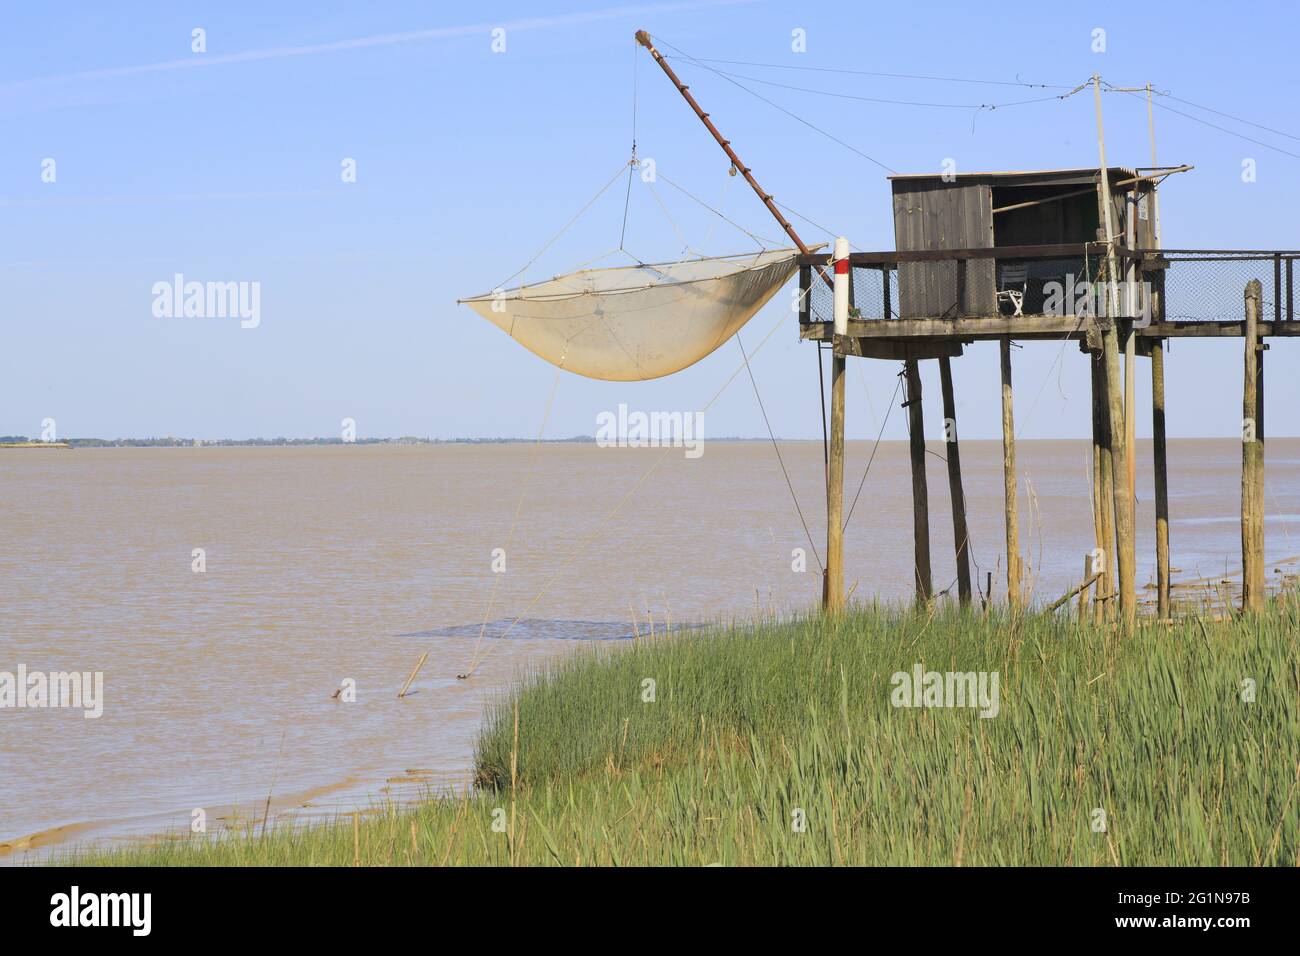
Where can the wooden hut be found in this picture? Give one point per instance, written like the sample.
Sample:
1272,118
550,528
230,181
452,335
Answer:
1062,207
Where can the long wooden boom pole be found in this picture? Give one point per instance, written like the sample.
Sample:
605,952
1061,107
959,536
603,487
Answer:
644,39
833,575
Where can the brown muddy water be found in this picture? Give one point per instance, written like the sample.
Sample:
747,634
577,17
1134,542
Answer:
331,563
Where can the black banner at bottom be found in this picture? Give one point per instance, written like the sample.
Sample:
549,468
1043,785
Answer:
334,905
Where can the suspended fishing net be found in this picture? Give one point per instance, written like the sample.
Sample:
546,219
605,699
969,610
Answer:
632,323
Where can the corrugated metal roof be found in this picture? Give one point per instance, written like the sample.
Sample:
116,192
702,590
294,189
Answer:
1080,171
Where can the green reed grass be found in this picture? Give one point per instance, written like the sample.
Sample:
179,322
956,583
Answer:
753,723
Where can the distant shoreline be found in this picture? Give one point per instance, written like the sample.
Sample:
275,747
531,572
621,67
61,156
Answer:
17,441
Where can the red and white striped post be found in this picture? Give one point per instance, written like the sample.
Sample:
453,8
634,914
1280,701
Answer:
841,261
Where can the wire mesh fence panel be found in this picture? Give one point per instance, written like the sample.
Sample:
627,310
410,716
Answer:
867,295
1211,287
821,301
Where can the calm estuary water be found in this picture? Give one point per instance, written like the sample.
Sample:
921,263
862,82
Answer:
327,564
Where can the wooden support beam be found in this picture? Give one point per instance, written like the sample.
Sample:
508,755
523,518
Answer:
1066,250
833,593
920,491
1252,461
898,350
1098,492
986,326
960,533
1192,328
1015,595
1160,465
1103,488
1129,306
1126,587
1260,349
1290,291
1130,415
1055,327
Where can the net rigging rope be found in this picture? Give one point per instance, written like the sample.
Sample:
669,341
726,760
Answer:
631,165
874,448
888,102
894,76
578,215
763,243
780,460
776,106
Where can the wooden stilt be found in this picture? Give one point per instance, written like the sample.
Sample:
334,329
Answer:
1103,489
1130,416
1260,349
1252,461
960,534
920,491
1098,490
834,590
1014,593
1101,536
1126,587
1107,543
1160,465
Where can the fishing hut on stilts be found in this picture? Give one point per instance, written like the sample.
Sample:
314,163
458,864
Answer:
1008,256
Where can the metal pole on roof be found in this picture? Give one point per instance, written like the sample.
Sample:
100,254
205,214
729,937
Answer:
1155,193
1151,135
1108,211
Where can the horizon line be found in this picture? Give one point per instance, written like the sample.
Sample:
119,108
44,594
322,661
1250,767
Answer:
174,441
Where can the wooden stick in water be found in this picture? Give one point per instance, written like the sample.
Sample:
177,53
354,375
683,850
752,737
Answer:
407,686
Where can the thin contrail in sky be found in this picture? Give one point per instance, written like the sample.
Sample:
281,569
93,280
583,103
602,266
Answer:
382,39
176,197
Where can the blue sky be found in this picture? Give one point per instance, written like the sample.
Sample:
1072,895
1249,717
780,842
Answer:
225,165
